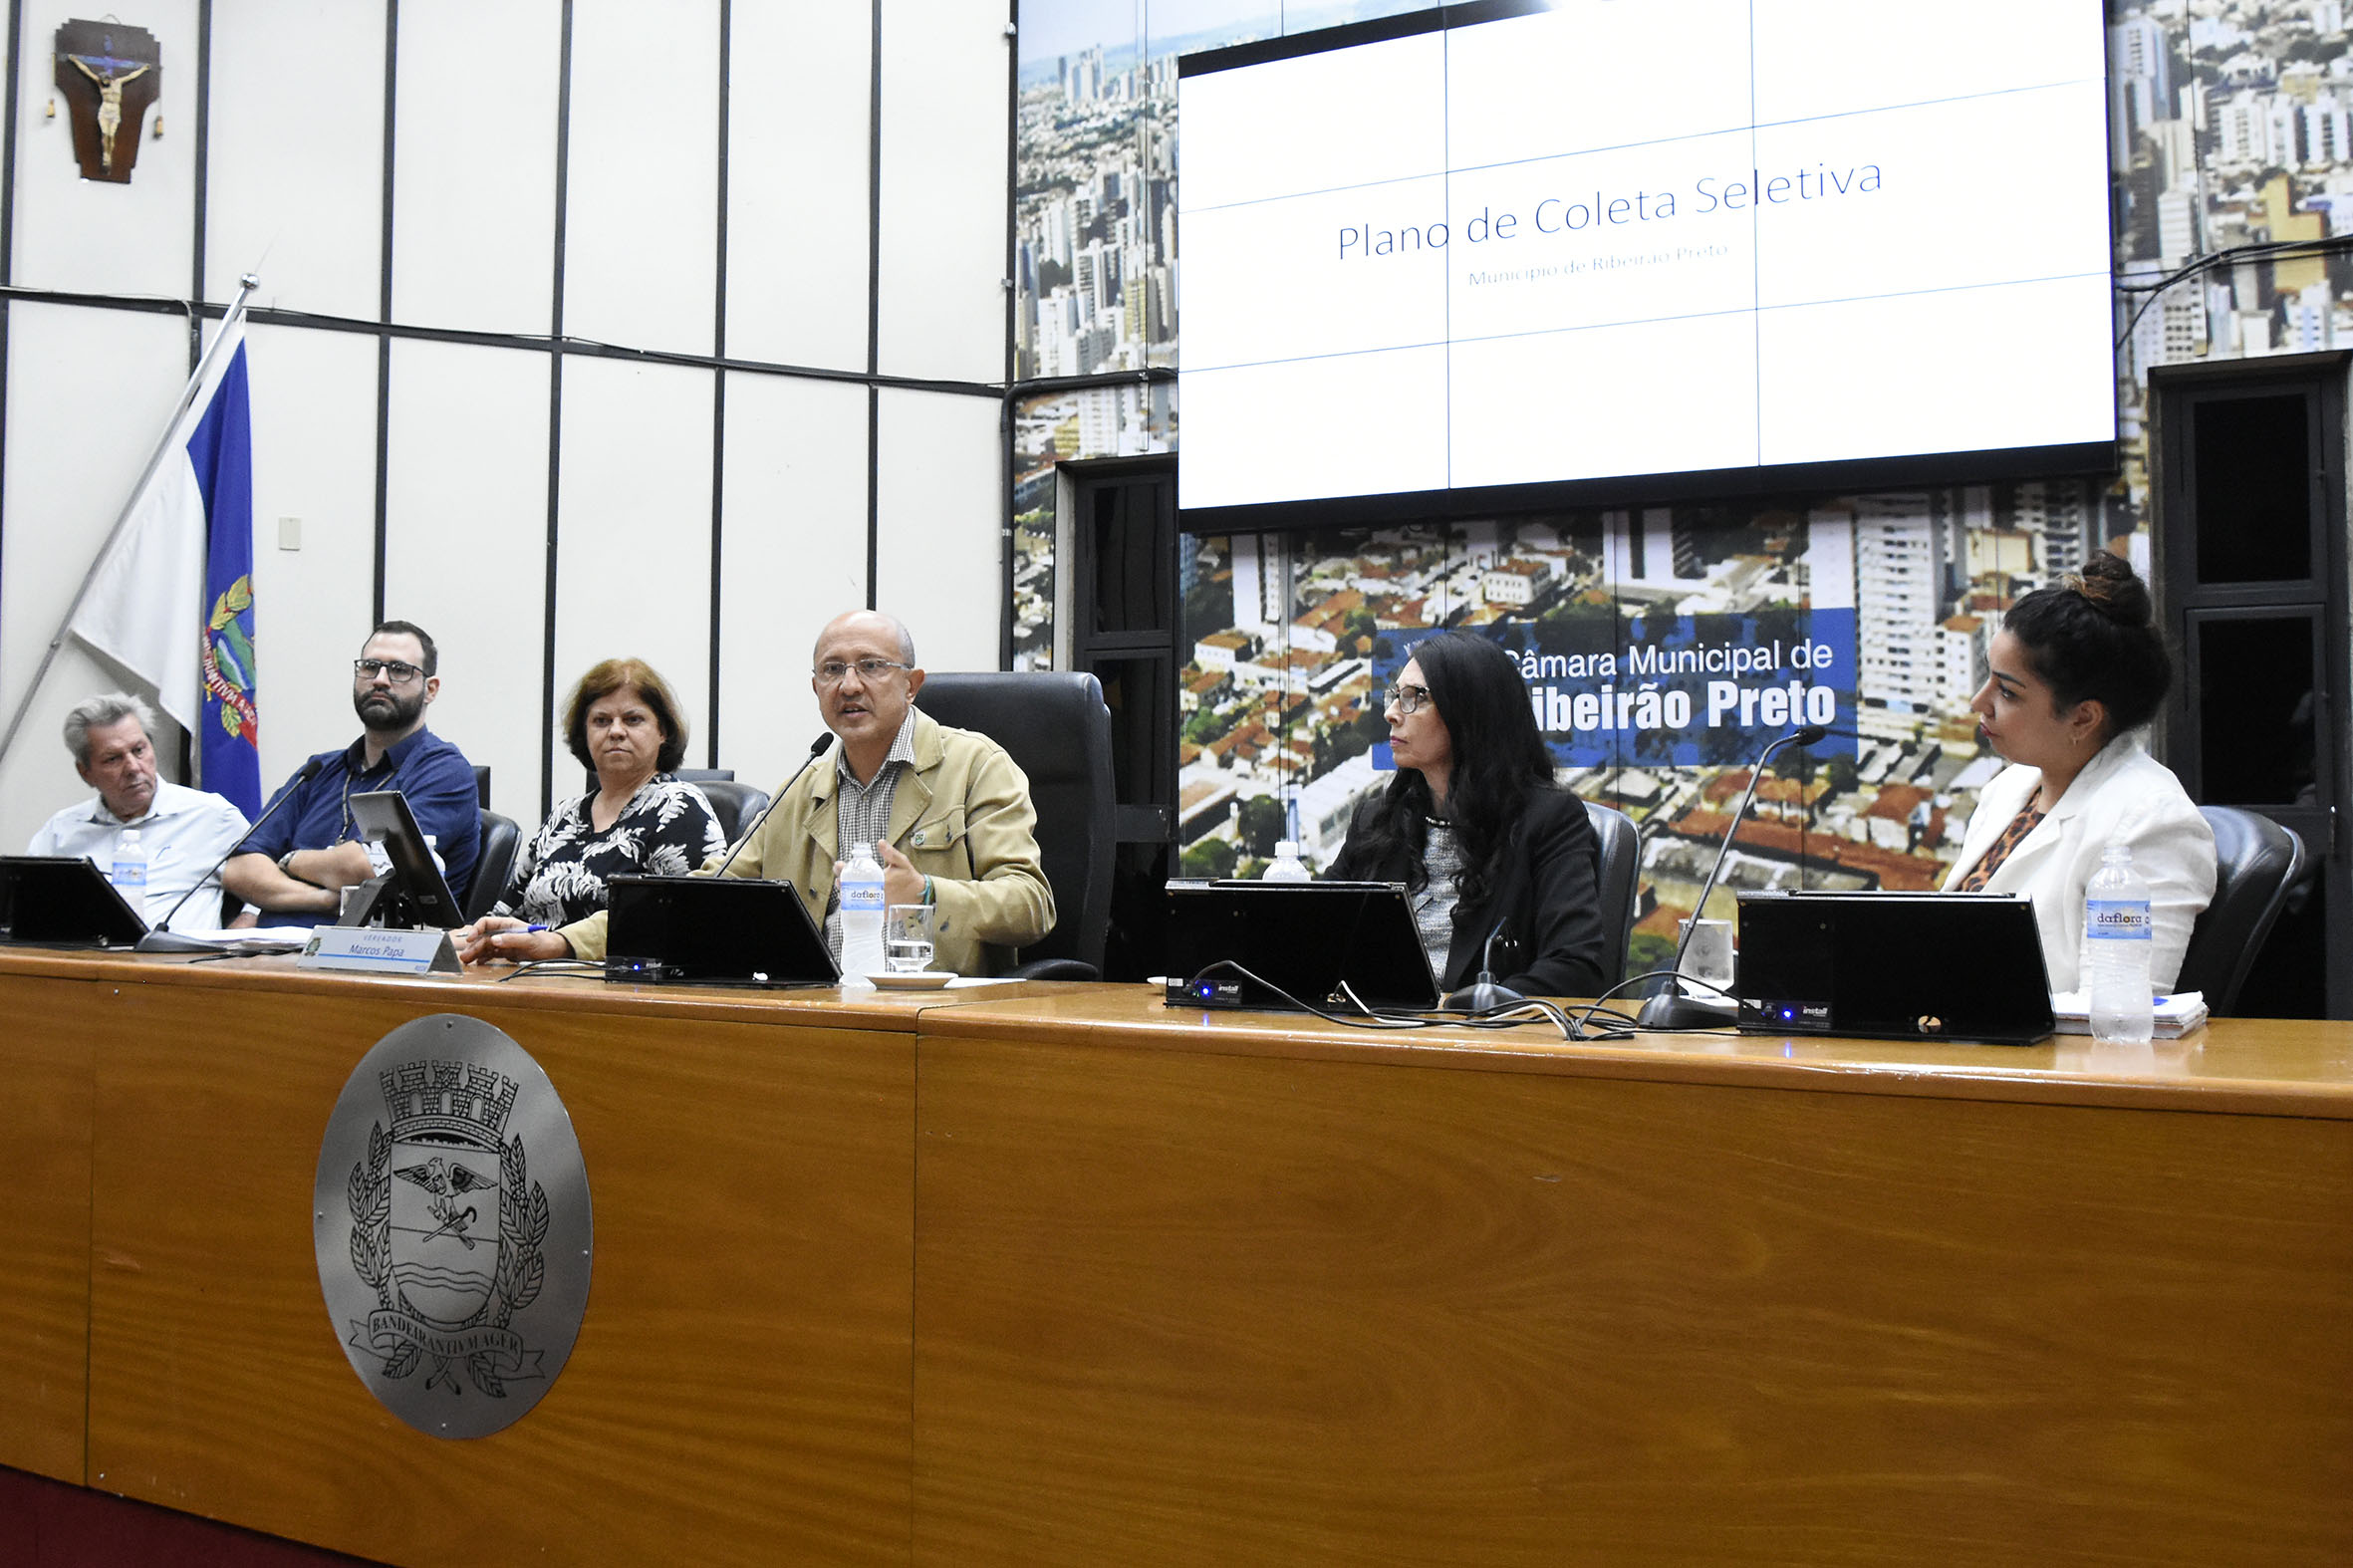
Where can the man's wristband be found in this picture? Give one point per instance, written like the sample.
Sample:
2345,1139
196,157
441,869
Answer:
928,898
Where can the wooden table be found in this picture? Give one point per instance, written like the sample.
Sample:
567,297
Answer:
739,1388
1214,1287
1062,1275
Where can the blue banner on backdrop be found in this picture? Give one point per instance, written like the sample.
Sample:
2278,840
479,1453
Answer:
1667,690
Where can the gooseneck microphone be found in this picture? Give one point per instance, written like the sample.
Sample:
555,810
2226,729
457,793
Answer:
163,938
1672,1008
816,750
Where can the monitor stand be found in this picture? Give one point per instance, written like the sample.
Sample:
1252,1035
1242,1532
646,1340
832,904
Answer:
378,902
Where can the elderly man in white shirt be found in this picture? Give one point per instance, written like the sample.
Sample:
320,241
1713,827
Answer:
183,831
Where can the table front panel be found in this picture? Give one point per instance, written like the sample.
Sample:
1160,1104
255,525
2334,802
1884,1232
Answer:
1209,1308
47,1029
739,1386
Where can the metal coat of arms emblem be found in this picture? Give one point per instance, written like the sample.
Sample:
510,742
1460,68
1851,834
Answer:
453,1224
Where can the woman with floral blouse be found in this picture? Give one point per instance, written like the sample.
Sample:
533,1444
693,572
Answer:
622,721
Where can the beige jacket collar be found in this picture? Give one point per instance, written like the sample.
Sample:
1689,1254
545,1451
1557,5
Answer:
908,804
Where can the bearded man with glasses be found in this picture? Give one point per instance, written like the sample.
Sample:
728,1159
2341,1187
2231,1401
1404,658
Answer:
295,868
948,814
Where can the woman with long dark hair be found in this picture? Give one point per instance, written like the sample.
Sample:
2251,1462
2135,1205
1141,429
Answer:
2075,671
1491,850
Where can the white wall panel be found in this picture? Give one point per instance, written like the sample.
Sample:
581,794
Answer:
314,458
945,197
640,228
797,164
633,566
465,505
295,166
795,557
95,235
939,564
296,154
474,164
88,393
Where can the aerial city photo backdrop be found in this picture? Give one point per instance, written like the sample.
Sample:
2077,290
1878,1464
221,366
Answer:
1661,645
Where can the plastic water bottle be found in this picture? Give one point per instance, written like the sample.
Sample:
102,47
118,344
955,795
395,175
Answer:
2117,938
130,875
862,913
1285,865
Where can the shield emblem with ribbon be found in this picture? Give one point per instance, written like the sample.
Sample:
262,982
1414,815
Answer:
445,1243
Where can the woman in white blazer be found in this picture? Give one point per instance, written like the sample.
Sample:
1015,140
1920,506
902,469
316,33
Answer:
2075,672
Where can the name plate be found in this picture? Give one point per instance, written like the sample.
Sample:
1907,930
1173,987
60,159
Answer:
373,950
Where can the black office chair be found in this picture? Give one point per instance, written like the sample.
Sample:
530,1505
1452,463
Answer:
502,841
732,803
1054,725
2258,864
735,805
1621,857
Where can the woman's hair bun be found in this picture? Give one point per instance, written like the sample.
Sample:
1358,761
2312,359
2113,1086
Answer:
2089,635
2112,587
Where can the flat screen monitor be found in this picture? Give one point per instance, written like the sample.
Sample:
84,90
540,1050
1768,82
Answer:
1300,943
419,896
1894,965
63,900
1498,254
714,930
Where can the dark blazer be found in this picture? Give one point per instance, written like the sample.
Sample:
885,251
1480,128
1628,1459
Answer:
1547,891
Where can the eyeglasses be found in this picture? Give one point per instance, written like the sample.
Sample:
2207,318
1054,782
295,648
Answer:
392,669
1408,699
830,672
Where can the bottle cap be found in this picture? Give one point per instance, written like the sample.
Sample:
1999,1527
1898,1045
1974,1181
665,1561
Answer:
1285,849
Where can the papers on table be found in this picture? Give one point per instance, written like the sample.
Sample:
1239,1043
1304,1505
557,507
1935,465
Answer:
2177,1014
249,940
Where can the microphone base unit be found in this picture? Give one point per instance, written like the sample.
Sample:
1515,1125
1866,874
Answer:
1481,997
1672,1012
1205,993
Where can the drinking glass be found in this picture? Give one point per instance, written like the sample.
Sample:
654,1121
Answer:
906,939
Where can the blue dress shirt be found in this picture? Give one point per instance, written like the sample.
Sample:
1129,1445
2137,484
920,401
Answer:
434,776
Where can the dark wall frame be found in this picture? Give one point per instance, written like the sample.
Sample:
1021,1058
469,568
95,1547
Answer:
16,31
203,176
2195,603
874,300
538,343
383,311
555,410
1127,629
710,725
1005,454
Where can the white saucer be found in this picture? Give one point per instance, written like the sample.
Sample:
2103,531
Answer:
927,981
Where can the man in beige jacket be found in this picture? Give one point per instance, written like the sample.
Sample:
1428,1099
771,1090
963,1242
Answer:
947,811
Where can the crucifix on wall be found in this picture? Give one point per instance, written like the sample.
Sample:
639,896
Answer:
109,75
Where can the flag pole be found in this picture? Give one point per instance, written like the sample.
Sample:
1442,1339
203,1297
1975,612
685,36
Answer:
229,318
